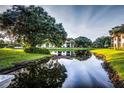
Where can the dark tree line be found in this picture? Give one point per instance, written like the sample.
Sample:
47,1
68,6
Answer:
82,42
100,42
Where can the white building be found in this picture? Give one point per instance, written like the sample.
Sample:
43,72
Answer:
69,43
46,45
117,35
118,40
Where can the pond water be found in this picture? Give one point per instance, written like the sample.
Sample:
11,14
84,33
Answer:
68,69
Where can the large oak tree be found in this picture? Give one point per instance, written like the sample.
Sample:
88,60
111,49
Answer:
31,25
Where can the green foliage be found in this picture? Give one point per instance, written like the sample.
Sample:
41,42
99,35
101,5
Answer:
31,25
10,46
37,50
102,42
83,42
2,44
117,29
41,75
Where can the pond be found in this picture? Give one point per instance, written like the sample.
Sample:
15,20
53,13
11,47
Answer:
67,69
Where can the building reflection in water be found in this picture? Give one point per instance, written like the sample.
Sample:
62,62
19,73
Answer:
78,54
63,53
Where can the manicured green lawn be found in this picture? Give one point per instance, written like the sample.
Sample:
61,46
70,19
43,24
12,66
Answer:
68,49
115,57
10,56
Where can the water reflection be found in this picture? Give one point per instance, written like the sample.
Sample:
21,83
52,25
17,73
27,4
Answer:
85,74
46,75
63,53
78,54
77,69
82,54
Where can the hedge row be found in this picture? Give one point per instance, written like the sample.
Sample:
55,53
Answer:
37,50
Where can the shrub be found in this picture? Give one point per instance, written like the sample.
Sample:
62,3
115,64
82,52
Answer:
3,45
10,46
37,50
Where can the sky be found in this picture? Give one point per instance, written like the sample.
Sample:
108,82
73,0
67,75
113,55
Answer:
91,21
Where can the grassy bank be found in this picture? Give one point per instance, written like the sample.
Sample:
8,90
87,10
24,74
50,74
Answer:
68,49
10,56
115,57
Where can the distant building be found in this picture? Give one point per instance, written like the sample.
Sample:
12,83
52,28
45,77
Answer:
46,45
69,43
117,38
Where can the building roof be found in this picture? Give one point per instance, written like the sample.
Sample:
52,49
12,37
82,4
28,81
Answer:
71,40
68,39
117,29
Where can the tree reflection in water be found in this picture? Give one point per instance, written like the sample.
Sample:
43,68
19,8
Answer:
47,75
82,54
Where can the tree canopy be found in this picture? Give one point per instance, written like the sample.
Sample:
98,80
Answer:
32,25
83,42
102,42
117,29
